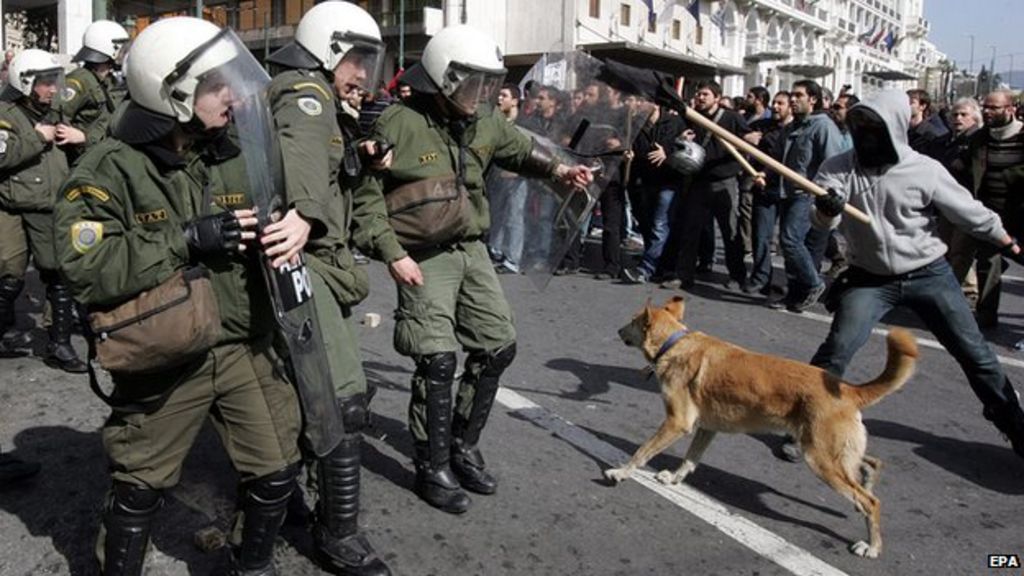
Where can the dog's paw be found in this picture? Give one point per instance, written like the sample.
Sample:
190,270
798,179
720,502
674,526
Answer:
863,549
616,475
667,477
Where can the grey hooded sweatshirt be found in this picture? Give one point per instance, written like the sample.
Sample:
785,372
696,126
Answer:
903,201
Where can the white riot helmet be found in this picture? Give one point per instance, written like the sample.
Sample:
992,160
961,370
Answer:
688,158
174,59
465,65
102,42
34,66
334,32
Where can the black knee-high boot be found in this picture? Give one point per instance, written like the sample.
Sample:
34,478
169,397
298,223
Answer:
127,522
341,547
59,352
483,369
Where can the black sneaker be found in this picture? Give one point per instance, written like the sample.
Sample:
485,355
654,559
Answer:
754,287
810,300
633,276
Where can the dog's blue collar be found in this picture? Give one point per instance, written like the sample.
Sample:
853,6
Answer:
669,343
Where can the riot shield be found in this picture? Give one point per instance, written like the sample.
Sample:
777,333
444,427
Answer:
568,109
289,286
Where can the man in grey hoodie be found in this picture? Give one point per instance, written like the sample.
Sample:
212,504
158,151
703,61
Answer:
898,259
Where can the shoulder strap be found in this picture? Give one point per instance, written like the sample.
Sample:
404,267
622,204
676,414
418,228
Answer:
707,133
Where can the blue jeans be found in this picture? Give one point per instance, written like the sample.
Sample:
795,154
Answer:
508,220
933,293
794,215
657,232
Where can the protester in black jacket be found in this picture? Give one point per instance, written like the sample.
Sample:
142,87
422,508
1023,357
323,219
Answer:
656,186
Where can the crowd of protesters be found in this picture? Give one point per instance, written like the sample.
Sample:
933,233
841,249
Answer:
658,225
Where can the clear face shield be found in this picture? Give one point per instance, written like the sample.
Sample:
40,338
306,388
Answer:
474,87
47,86
361,67
121,45
223,78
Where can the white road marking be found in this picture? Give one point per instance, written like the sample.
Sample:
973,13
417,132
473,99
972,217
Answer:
760,540
926,342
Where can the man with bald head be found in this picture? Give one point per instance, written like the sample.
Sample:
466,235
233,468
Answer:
996,164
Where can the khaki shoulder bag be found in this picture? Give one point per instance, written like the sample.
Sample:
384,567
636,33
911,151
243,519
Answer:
160,328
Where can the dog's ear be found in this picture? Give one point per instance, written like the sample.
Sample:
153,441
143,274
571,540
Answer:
676,306
647,312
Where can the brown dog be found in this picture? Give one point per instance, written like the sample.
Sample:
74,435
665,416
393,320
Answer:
718,387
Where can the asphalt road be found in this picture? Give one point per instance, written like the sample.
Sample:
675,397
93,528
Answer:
574,403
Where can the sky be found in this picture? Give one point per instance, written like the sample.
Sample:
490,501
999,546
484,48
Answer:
993,23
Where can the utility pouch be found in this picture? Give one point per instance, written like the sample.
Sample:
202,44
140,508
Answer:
160,328
429,212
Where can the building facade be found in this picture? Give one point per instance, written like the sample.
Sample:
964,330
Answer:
862,44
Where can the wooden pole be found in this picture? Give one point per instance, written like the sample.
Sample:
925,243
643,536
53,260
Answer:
740,158
784,171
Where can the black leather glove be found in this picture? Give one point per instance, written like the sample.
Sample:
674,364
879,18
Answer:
1007,251
830,205
220,232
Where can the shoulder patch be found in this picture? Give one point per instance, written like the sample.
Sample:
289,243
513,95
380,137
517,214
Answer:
4,135
85,235
314,86
93,191
68,94
310,106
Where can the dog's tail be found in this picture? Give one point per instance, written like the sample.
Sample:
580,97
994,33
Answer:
898,368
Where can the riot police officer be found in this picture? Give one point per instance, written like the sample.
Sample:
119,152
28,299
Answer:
167,192
32,169
89,98
337,50
445,137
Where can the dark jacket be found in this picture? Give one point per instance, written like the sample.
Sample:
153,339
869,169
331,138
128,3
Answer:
719,164
1011,206
955,156
928,136
663,132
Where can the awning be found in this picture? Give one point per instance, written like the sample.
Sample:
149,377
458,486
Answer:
766,56
807,70
890,75
667,61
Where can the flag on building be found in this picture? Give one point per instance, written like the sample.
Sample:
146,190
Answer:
652,16
890,40
718,19
878,36
695,10
866,37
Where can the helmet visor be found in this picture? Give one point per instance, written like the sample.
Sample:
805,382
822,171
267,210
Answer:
47,85
122,46
362,65
474,87
221,76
